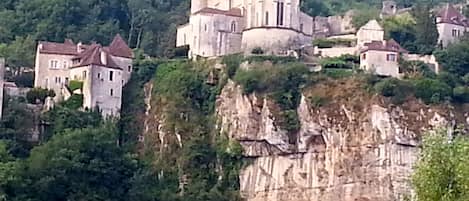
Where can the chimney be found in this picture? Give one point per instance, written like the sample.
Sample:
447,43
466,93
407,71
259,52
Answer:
103,57
79,49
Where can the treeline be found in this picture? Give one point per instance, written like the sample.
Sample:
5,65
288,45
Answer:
146,24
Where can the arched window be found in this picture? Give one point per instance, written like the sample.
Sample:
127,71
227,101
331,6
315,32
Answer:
233,26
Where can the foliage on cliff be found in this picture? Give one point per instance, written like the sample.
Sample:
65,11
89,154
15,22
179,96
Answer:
442,172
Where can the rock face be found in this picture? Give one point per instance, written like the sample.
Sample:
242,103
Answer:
342,153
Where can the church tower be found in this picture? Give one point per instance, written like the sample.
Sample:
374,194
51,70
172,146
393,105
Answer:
197,5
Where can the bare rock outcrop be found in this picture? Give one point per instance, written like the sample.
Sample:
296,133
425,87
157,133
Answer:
342,153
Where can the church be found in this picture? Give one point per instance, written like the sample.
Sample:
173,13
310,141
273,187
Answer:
221,27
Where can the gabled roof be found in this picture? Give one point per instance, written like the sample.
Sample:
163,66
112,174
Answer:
119,47
372,25
235,12
388,46
450,15
57,48
92,56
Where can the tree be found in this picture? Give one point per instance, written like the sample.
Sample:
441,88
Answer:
425,28
82,164
455,58
8,171
402,29
442,174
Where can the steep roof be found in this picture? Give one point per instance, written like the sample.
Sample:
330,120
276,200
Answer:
388,46
119,47
92,56
372,25
57,48
235,12
450,15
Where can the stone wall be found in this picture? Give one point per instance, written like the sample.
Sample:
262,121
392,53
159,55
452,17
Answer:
445,32
273,40
376,62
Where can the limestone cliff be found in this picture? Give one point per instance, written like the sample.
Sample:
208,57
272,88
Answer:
355,147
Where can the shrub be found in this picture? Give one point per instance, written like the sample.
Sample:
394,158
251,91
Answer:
39,94
461,94
398,90
317,101
432,90
343,61
74,102
232,63
338,73
257,50
271,58
75,84
328,43
24,80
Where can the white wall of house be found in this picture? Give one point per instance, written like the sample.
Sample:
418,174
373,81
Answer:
449,33
335,51
52,71
126,65
380,62
372,31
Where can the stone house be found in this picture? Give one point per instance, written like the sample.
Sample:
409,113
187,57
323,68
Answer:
371,31
382,57
220,27
451,25
102,70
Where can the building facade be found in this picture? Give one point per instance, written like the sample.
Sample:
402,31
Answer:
220,27
382,57
102,70
451,25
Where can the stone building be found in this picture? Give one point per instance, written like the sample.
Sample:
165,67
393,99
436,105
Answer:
451,25
220,27
381,57
2,83
102,70
371,31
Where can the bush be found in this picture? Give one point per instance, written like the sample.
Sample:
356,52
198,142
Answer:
398,90
75,84
24,80
432,90
271,58
257,50
39,94
461,94
317,101
344,61
74,102
232,63
338,73
328,43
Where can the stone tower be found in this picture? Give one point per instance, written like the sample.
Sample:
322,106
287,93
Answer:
197,5
389,8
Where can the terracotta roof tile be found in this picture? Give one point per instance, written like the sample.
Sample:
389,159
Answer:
57,48
119,47
92,56
236,12
389,45
450,15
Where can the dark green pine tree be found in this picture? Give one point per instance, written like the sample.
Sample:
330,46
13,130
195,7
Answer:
425,28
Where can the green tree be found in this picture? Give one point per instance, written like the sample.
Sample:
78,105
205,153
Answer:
441,173
82,164
455,58
425,28
8,171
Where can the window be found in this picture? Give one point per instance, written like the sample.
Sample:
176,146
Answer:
233,26
267,18
53,64
129,68
364,56
301,27
280,13
390,57
84,74
65,64
111,75
454,33
66,80
111,92
205,27
99,75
